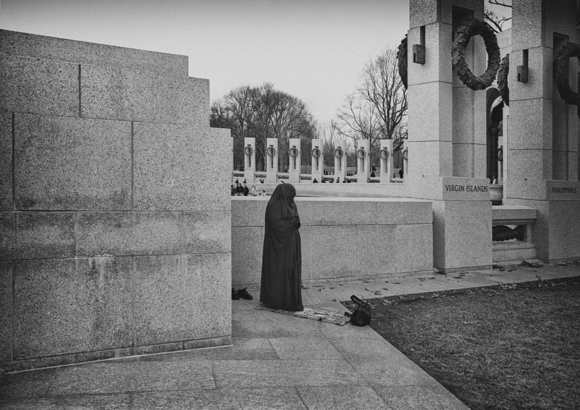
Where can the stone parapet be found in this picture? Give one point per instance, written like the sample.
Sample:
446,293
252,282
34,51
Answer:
14,43
342,238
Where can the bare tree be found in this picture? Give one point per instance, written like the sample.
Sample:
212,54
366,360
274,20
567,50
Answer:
496,20
262,112
235,112
378,107
503,3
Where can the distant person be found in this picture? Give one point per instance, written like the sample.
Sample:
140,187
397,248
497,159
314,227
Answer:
239,189
315,181
246,189
373,174
282,255
337,180
233,190
401,173
254,191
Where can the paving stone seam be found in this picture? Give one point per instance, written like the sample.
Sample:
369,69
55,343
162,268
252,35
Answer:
52,379
301,398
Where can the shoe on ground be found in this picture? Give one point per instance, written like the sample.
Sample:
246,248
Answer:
235,295
243,293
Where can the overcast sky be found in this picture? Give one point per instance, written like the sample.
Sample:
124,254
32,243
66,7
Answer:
312,49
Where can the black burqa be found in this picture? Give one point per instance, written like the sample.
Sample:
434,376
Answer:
282,257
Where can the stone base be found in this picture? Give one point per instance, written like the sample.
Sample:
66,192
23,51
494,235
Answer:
462,235
126,353
513,252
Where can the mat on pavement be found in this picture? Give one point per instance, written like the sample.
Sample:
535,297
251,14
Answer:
318,314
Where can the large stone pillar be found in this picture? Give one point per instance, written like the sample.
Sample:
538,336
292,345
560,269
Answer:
363,161
339,160
317,161
447,136
250,160
295,161
272,160
543,129
386,159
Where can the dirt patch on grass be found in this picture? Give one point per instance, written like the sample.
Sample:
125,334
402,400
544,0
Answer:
503,347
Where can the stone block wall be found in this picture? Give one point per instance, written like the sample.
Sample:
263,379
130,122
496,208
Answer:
543,140
343,239
115,210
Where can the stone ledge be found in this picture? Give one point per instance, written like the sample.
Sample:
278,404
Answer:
14,43
125,353
505,213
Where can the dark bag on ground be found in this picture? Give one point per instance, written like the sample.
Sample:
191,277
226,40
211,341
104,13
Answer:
362,314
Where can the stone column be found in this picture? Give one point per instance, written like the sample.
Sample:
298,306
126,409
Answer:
339,160
295,161
543,129
250,160
386,158
363,161
317,169
272,160
447,136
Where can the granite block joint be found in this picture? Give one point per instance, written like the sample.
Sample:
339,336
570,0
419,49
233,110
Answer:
118,353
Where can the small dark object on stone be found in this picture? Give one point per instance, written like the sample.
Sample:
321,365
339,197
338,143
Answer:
243,293
362,314
235,295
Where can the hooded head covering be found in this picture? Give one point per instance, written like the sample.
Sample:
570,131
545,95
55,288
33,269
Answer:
285,194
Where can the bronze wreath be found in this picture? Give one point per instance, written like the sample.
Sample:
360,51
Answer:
462,36
561,68
384,154
502,79
361,153
293,152
402,61
248,150
338,153
316,152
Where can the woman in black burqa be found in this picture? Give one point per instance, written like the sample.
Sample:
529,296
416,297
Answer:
282,258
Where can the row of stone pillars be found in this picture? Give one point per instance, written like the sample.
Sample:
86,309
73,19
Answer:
364,166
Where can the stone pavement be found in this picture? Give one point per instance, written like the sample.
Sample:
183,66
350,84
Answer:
276,361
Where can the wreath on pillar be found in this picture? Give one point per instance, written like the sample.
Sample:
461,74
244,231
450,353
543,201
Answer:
463,34
384,154
502,79
316,152
338,153
402,61
561,67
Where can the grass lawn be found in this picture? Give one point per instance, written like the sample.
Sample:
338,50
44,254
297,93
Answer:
506,347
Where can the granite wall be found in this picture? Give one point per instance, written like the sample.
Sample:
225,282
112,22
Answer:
543,138
343,239
115,210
